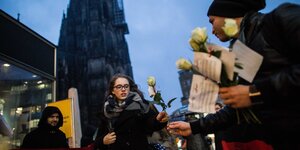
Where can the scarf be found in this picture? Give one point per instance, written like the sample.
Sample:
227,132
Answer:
113,109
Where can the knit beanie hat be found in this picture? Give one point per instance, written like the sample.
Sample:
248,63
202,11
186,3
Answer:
234,8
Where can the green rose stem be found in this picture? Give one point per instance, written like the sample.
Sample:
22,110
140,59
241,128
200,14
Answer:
203,47
157,98
159,101
247,113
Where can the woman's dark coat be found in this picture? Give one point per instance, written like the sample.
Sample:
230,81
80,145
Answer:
132,128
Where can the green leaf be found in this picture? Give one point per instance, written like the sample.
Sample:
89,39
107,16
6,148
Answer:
157,97
170,101
225,81
164,106
216,53
202,47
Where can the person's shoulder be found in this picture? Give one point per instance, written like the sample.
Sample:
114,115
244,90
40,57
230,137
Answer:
32,134
284,15
287,4
34,131
285,8
61,132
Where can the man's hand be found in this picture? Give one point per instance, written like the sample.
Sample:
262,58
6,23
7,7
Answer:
180,128
236,96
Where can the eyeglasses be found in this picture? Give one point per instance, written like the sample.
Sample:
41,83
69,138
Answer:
120,87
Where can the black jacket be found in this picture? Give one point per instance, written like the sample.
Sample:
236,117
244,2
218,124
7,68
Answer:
276,37
46,136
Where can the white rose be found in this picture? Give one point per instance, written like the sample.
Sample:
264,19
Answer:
230,28
183,64
151,81
194,45
199,35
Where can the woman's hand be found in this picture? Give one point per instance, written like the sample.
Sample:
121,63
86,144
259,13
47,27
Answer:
162,117
180,128
109,138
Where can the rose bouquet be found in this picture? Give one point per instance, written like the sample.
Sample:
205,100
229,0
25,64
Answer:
156,95
198,40
198,43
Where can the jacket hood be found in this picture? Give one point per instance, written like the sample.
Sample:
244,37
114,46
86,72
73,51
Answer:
47,112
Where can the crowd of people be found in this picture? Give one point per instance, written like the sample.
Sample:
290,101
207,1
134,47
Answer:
127,119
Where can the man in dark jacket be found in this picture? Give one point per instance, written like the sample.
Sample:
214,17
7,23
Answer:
47,135
276,37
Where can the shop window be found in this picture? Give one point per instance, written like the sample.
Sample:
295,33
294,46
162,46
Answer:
23,95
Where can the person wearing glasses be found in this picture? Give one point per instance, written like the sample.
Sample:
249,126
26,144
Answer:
126,118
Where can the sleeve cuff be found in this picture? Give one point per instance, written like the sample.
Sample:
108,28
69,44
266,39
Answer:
195,126
255,95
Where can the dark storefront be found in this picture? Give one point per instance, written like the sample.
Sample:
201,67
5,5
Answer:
27,78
